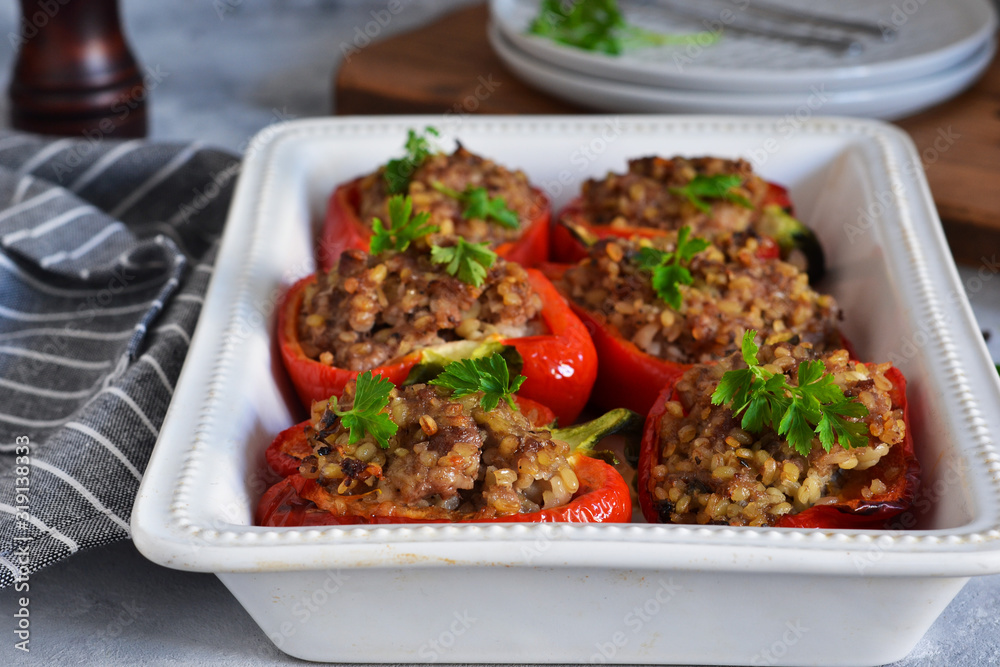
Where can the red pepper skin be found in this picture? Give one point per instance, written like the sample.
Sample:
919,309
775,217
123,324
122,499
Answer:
603,497
899,470
565,247
560,366
344,229
627,377
314,381
286,451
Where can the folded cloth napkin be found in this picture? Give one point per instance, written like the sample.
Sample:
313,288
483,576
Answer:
106,249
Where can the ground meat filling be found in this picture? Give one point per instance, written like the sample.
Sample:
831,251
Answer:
450,460
457,171
713,471
369,309
641,196
734,290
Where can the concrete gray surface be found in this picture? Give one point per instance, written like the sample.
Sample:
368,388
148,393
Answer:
225,69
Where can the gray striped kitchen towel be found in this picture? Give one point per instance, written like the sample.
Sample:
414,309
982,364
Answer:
106,248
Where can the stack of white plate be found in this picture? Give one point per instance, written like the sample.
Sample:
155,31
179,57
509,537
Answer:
935,49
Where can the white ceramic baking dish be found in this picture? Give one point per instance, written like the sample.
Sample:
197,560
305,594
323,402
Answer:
589,593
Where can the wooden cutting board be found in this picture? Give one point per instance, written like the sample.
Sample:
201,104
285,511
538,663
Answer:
448,67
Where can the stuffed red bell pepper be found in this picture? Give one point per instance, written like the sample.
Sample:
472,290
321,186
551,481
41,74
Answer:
464,194
780,436
710,195
409,306
654,306
453,450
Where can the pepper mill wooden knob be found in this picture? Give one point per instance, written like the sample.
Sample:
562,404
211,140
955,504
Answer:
75,73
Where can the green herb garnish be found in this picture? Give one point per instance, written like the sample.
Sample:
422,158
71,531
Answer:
701,188
371,397
817,406
478,205
404,227
469,262
599,25
486,374
418,148
666,266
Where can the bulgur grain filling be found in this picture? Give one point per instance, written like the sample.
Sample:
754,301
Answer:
711,470
734,290
450,459
458,171
370,309
642,197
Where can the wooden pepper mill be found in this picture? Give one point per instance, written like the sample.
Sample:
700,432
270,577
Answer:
75,73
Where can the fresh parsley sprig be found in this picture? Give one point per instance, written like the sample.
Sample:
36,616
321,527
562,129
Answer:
418,148
479,205
469,262
486,374
721,187
404,227
817,406
667,268
371,397
599,25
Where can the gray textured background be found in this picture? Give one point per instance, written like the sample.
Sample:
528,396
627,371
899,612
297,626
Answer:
228,68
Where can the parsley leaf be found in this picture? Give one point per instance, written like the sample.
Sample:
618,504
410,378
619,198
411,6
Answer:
478,205
469,262
404,227
666,266
486,374
599,25
701,188
371,397
418,148
816,407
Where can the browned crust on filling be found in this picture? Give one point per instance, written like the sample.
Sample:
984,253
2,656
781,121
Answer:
711,470
734,290
371,309
457,171
450,459
641,196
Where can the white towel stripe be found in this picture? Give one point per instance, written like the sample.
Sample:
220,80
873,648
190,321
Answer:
43,155
110,446
22,188
50,225
40,525
135,408
158,369
67,332
31,423
46,393
53,359
176,328
67,292
90,497
15,140
14,570
82,250
30,203
163,174
22,316
101,165
190,297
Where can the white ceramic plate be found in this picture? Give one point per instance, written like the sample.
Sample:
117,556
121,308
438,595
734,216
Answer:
887,102
632,593
931,36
